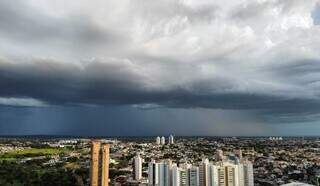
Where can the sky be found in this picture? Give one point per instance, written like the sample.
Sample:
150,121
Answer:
144,67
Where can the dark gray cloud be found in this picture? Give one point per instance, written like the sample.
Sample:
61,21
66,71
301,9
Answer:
116,83
259,58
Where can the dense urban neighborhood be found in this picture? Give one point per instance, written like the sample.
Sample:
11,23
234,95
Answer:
67,161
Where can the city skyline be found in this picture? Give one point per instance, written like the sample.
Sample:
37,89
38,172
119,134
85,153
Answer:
154,68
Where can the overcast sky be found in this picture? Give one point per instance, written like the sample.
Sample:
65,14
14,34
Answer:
145,67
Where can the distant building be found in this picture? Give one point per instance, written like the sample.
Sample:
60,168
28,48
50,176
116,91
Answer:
238,153
163,140
158,140
137,167
272,138
171,139
99,172
219,155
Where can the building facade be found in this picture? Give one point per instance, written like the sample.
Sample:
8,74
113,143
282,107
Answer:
137,167
222,173
99,171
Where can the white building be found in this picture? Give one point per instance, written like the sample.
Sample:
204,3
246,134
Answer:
176,175
248,174
213,175
171,139
137,168
204,173
164,178
163,140
153,173
179,176
193,176
159,173
158,140
222,173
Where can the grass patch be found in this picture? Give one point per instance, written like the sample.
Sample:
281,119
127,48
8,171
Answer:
45,151
32,152
72,166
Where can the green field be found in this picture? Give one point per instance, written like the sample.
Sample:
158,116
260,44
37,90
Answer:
45,151
33,152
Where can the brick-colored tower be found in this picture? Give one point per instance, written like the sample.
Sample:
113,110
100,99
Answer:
99,173
105,165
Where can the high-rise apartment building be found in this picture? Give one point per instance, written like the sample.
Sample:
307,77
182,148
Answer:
248,173
193,176
222,173
153,173
163,140
137,167
230,175
213,175
171,139
175,175
221,176
158,140
240,173
160,173
99,173
204,173
164,172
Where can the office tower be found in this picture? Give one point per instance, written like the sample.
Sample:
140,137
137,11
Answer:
158,140
137,167
248,173
171,140
219,155
153,173
193,176
99,173
163,140
204,173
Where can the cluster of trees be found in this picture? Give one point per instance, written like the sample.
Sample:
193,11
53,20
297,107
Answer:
13,173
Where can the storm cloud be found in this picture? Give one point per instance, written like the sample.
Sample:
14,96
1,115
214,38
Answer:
257,56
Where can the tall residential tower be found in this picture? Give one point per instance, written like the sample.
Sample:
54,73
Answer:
137,167
99,173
